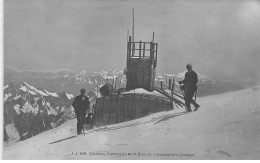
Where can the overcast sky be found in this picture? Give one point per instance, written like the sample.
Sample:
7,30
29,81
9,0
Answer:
220,38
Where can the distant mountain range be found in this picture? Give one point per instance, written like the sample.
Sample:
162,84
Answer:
72,81
62,81
206,84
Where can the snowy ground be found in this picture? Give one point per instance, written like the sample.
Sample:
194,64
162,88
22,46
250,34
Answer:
227,126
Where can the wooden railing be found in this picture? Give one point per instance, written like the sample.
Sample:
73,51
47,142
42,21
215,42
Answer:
138,49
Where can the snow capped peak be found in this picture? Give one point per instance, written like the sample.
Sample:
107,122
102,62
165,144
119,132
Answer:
28,85
7,96
51,94
67,76
25,87
70,96
120,72
89,81
34,90
6,86
102,72
110,76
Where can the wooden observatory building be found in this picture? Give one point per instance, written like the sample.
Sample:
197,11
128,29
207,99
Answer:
121,106
140,97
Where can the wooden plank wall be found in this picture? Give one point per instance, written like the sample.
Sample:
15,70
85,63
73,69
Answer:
124,107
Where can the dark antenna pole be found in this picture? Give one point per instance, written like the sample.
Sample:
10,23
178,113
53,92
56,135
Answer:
133,30
127,36
153,36
127,46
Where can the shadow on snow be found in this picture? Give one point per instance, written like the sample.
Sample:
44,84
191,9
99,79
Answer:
155,120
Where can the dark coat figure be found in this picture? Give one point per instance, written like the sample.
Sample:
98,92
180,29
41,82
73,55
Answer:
81,105
190,87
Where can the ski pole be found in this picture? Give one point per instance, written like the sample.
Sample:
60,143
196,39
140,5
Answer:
183,97
83,126
196,92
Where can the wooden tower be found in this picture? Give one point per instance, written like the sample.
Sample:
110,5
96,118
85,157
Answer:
141,64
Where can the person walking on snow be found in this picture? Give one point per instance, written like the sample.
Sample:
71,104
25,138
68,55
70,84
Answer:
81,105
190,87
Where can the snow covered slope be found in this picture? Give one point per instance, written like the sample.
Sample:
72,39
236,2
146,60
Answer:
225,127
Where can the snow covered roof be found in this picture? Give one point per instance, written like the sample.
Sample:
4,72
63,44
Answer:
143,91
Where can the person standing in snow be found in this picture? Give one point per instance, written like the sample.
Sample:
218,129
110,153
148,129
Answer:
190,87
81,105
